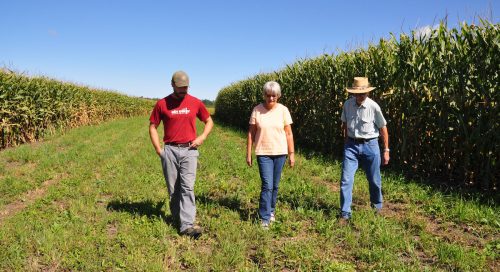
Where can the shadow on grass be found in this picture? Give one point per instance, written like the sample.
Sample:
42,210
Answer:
309,203
146,208
251,213
232,203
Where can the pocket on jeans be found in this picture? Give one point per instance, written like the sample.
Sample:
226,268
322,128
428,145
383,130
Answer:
373,144
193,152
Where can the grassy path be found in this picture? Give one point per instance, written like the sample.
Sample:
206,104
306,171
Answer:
94,199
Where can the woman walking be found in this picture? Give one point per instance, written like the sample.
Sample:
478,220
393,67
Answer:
271,132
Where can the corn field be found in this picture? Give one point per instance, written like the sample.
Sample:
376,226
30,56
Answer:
439,94
31,107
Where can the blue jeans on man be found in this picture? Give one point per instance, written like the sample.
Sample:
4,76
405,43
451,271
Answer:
270,168
367,155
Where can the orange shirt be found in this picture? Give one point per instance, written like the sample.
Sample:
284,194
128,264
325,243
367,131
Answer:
270,136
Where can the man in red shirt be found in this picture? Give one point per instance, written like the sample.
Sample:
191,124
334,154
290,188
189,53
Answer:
179,155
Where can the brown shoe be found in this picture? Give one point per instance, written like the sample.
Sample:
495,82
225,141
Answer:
193,232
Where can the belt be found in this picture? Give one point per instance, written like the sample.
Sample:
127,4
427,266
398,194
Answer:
361,140
179,144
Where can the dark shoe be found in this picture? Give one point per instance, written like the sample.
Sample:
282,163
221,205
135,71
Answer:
193,232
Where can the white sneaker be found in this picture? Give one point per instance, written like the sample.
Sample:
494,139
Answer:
273,218
264,225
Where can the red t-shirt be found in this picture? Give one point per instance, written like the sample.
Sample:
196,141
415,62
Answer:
179,117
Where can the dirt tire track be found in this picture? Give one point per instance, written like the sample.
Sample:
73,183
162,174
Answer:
28,198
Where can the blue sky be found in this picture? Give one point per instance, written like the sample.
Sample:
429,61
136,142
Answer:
134,46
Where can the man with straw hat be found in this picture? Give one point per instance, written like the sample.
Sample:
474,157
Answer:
362,123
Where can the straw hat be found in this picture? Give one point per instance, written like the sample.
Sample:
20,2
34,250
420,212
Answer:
360,85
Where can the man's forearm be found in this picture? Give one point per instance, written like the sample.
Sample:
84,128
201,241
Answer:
153,135
208,128
385,137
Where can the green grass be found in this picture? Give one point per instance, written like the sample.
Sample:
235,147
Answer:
107,211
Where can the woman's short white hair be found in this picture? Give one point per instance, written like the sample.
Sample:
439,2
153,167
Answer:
271,87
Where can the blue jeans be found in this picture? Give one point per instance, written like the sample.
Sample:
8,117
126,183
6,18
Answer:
368,156
270,168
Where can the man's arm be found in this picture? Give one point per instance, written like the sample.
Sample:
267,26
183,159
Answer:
385,140
155,140
209,124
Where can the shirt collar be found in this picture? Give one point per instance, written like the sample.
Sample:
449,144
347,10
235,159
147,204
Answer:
363,105
355,105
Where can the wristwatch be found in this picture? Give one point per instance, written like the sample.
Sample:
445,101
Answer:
387,150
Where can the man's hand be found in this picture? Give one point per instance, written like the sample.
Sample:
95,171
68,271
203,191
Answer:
385,158
198,141
385,140
249,159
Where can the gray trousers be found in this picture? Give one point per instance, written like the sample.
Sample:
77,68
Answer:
179,168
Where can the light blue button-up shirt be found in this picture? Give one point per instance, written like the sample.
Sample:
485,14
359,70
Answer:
362,121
